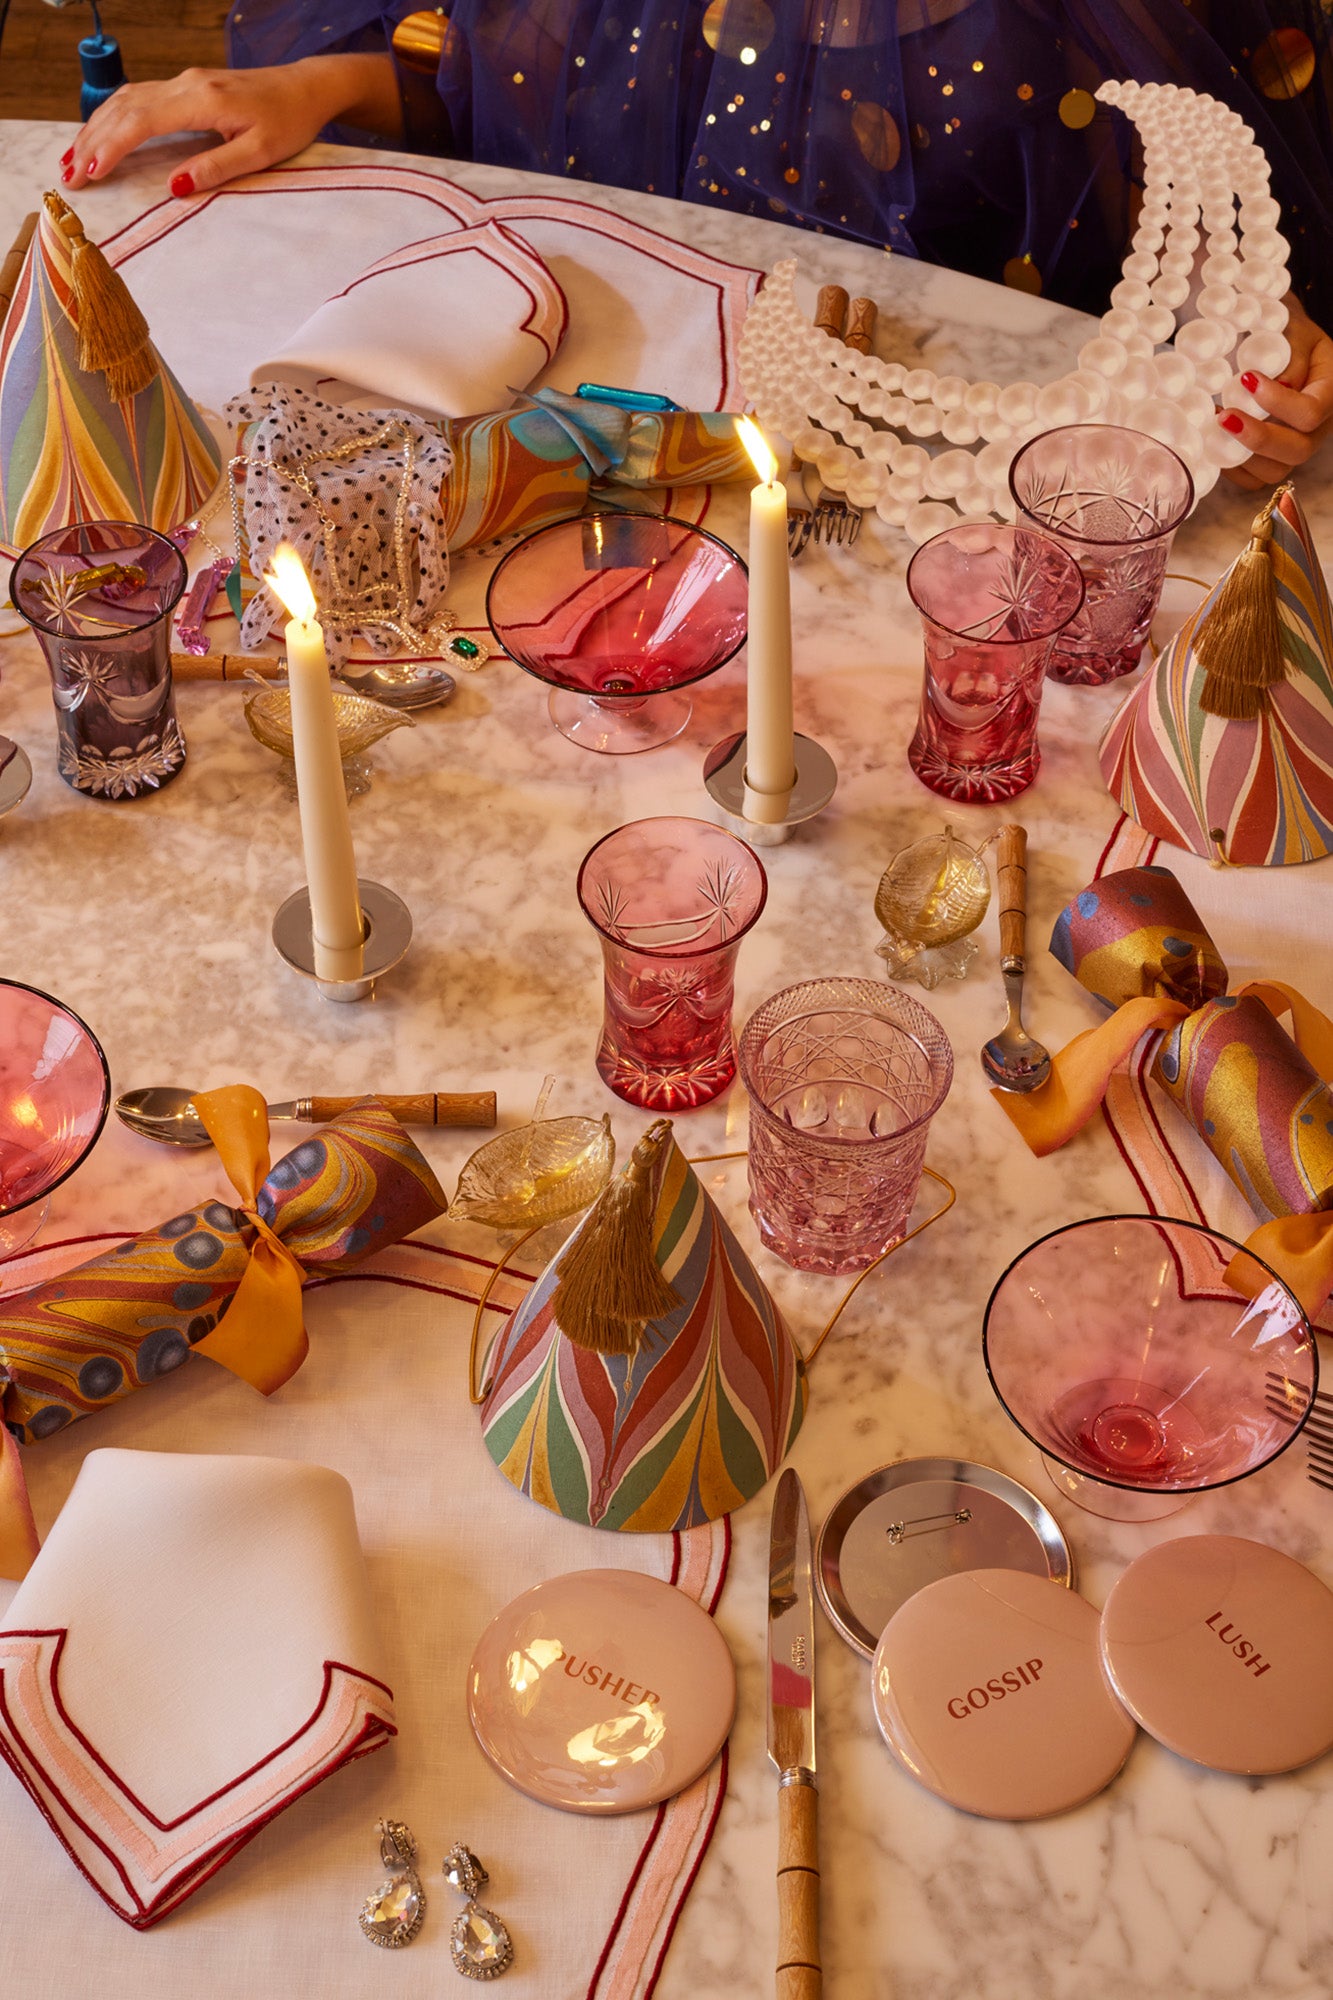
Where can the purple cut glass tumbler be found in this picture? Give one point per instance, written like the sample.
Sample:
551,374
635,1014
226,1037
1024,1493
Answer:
1114,498
55,1090
99,595
671,900
1148,1360
844,1077
992,600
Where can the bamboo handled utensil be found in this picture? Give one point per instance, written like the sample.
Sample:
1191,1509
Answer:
166,1113
791,1741
1012,1059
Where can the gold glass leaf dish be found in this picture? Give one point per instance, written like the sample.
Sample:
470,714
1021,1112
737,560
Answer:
539,1173
930,899
360,721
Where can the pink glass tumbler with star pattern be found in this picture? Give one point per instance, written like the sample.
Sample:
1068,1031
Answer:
671,900
1114,499
992,599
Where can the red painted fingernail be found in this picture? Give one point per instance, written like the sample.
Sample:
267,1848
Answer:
67,174
181,185
1250,382
65,158
91,167
1231,422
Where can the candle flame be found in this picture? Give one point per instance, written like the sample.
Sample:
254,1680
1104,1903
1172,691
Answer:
286,578
757,445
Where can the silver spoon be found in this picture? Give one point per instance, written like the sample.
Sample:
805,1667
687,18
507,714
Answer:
402,683
1013,1060
168,1115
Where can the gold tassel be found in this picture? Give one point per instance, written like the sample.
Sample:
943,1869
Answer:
609,1285
113,333
1239,644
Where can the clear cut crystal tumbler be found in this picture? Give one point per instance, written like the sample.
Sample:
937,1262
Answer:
671,900
991,600
99,595
844,1077
1114,499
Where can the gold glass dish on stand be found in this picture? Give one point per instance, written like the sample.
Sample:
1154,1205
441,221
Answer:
930,899
361,722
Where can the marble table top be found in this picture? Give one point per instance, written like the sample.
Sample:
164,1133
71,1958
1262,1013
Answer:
152,919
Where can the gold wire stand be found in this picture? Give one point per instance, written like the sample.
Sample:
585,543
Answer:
476,1397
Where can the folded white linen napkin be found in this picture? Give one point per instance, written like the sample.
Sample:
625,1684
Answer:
454,324
190,1653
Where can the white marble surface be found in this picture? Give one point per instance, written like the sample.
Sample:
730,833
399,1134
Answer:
152,919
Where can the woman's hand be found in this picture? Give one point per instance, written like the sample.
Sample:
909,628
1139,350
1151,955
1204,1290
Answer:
263,115
1300,407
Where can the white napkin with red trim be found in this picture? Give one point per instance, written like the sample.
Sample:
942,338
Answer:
191,1652
455,325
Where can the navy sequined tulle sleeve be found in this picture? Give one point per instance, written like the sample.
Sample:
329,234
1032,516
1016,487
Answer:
962,131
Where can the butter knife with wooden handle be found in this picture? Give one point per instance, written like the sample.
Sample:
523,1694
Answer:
791,1740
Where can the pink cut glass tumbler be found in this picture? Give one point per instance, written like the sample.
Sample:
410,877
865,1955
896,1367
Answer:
671,900
1114,498
992,600
844,1077
1148,1360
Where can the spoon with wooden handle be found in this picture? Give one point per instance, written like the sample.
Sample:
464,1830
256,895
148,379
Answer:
167,1114
1012,1059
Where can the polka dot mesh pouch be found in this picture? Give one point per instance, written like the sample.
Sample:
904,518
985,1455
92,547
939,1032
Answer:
357,494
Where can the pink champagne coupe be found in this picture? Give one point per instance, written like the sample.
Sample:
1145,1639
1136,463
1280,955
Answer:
1114,499
671,900
55,1090
617,613
992,600
1148,1360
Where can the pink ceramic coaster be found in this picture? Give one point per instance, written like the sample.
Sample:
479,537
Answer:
988,1689
1221,1648
601,1691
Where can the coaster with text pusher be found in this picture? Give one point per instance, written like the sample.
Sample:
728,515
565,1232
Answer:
988,1689
601,1691
1221,1647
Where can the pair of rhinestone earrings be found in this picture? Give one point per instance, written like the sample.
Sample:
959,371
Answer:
479,1943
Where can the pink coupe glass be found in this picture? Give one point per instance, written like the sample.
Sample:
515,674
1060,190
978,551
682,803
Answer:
992,600
844,1077
1142,1374
54,1093
617,613
1114,498
671,900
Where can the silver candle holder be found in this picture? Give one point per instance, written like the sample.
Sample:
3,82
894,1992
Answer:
724,778
386,921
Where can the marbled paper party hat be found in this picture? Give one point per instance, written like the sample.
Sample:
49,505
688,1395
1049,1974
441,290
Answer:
647,1382
93,424
1226,748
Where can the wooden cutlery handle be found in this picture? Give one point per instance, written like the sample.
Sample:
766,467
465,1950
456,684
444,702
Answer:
799,1974
860,332
1013,877
831,310
425,1107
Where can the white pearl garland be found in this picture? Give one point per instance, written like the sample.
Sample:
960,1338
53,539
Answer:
844,411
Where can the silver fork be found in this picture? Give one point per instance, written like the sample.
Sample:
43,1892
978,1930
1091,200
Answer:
1318,1427
828,519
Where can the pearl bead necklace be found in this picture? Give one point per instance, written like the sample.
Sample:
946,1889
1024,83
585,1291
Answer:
864,423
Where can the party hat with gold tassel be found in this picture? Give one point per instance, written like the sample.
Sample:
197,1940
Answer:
93,424
647,1382
1226,746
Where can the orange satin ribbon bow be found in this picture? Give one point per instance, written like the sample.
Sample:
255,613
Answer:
262,1337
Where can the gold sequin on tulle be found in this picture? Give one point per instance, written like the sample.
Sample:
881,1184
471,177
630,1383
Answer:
1025,92
420,41
1283,65
739,28
1022,275
1077,109
876,133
